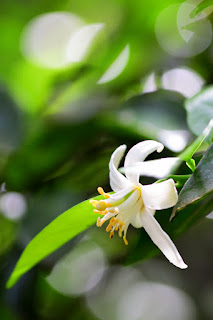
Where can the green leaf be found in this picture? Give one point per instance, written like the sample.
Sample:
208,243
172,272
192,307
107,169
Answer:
188,153
57,233
200,110
148,116
199,184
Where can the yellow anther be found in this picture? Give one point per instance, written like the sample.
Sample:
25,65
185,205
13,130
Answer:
125,241
120,233
93,202
121,224
114,222
111,234
101,191
109,227
102,222
106,195
111,210
98,223
100,212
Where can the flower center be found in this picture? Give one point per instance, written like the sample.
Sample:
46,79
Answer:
119,208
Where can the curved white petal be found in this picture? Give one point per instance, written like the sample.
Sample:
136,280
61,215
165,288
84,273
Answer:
160,195
138,153
117,180
161,239
136,221
159,168
132,203
120,194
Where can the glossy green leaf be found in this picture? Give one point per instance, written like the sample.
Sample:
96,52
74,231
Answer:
188,153
200,110
57,233
199,184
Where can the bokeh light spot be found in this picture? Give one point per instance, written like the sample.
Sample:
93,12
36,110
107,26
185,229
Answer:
79,271
182,80
179,35
116,67
13,205
81,41
45,38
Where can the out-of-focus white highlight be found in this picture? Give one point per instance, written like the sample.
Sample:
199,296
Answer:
179,34
104,301
126,295
210,215
116,67
208,129
149,84
155,301
175,140
45,38
81,41
159,168
182,80
184,19
13,205
79,271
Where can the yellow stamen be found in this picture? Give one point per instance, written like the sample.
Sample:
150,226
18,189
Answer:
109,227
125,241
111,234
102,222
93,202
98,223
100,212
101,191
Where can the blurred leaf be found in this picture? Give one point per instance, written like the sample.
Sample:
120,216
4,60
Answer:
206,4
7,234
57,233
10,123
44,151
199,184
157,115
200,110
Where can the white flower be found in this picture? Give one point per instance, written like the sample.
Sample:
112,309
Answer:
136,204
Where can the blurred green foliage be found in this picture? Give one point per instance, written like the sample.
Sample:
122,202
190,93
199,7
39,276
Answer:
59,127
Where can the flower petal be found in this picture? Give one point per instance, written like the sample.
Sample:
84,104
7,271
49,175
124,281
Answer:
138,153
136,221
159,168
160,195
117,180
161,239
120,194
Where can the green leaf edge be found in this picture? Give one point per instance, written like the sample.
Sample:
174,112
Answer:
201,6
21,268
